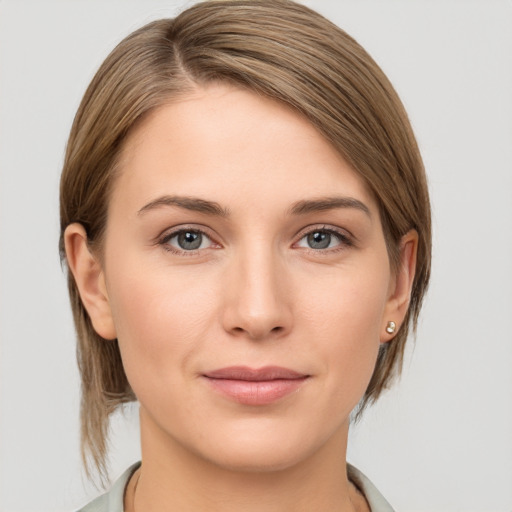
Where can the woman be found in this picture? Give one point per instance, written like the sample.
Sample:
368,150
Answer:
245,218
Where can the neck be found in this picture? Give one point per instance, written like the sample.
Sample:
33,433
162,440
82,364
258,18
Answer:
174,478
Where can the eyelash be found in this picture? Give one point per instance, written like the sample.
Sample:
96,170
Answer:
164,240
345,241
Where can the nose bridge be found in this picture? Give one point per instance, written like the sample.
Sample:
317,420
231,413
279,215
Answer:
258,305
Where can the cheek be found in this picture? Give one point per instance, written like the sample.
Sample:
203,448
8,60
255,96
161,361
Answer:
161,319
348,302
345,321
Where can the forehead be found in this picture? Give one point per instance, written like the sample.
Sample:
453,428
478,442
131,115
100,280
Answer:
228,142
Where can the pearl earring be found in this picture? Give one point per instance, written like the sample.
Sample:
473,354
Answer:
390,328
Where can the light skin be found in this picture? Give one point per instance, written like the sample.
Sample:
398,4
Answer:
284,264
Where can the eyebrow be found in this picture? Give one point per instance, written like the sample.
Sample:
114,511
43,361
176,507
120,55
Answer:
328,203
212,208
188,203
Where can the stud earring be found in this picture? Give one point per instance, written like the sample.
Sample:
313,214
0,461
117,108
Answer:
390,328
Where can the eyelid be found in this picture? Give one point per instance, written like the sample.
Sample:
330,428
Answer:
346,238
163,238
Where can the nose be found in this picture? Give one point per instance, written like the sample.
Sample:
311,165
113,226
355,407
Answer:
258,300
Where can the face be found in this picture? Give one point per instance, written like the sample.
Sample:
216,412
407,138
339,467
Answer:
246,275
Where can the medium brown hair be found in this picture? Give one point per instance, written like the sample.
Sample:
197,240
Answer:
278,49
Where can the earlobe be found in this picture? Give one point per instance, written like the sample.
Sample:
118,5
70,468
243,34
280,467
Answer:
400,292
90,280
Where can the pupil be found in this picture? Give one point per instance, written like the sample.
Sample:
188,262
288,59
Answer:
319,240
189,240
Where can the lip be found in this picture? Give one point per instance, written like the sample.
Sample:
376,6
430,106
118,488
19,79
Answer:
255,386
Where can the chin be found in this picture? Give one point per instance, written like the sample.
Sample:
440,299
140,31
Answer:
256,458
269,448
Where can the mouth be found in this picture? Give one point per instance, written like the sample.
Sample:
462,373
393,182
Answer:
255,386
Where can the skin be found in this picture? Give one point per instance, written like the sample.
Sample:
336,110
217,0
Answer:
255,294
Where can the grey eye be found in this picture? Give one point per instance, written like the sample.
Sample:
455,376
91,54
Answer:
189,240
322,238
319,240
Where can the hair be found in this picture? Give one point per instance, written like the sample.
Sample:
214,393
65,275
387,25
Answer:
278,49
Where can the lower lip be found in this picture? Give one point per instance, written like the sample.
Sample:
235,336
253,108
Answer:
256,392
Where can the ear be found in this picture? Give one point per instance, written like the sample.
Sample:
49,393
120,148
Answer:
90,280
400,286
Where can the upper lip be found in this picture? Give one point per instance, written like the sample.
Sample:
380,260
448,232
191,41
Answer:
254,374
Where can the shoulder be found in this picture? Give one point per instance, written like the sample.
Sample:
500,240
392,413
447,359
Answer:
112,501
374,498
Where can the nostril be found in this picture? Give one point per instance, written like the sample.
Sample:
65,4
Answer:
257,333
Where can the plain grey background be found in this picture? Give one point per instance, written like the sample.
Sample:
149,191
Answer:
441,440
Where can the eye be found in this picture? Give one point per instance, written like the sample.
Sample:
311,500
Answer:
323,239
187,240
